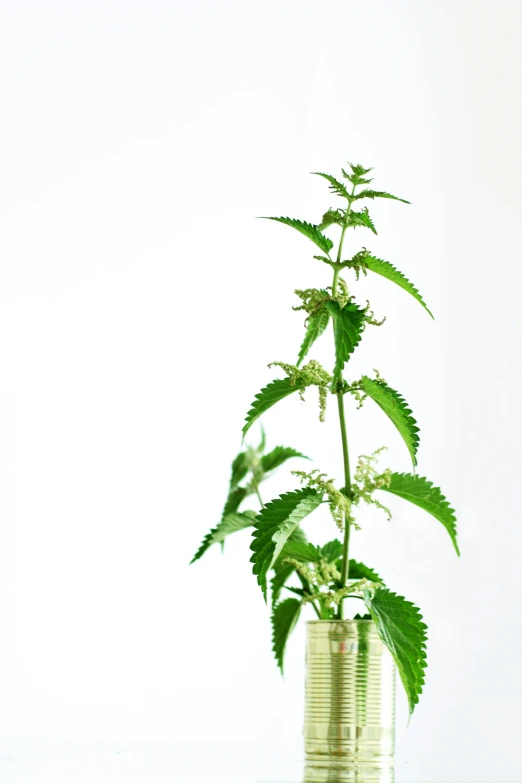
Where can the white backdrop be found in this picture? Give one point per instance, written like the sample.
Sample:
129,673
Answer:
140,302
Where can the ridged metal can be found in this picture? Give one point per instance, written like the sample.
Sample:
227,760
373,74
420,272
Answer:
349,729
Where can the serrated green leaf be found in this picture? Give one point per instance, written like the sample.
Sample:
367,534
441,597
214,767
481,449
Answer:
332,217
284,619
361,218
275,524
387,270
332,551
234,499
360,571
378,194
278,456
399,624
349,323
423,493
302,551
396,408
324,259
356,179
359,170
335,186
315,326
275,391
283,571
230,523
308,230
239,469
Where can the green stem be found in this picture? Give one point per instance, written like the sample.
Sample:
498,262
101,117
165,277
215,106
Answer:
308,589
259,496
342,421
348,489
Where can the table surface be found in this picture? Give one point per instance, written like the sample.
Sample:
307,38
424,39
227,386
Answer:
40,760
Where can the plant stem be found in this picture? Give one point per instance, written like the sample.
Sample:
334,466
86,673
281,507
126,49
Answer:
259,496
347,488
342,421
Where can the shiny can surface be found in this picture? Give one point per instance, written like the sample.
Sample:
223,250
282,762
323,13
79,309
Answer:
349,729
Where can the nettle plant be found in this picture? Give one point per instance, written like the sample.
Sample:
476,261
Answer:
322,577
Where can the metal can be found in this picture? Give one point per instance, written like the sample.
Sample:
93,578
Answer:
349,729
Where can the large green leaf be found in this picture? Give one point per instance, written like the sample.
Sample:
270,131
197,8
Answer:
387,270
278,456
315,326
275,524
275,391
283,571
399,624
309,230
230,523
423,493
396,408
284,619
379,194
349,323
335,186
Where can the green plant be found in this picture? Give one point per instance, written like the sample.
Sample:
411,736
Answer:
326,575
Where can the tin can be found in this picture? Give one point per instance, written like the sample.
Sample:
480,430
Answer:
349,729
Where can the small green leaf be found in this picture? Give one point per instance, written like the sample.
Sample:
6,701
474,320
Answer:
387,270
262,442
309,230
396,408
332,217
315,326
332,551
275,391
234,499
349,323
230,523
302,551
240,468
324,259
360,571
284,619
278,456
379,194
399,624
358,170
275,524
361,218
423,493
335,186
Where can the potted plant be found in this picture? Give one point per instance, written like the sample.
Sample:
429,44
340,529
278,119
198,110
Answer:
351,656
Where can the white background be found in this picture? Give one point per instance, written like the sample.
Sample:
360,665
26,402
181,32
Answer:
140,302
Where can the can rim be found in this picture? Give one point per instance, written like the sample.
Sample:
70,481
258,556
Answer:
323,622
